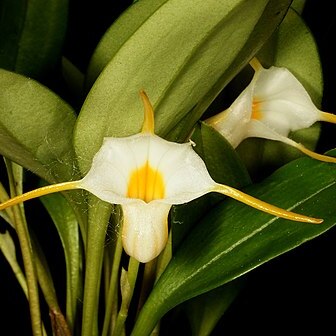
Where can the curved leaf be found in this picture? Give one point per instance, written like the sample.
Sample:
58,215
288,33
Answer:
182,55
118,34
31,35
36,128
238,238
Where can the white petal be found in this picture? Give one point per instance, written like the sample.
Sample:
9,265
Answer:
145,229
184,173
257,129
284,103
233,122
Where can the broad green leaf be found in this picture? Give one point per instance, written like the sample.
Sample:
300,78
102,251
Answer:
36,128
285,49
67,227
31,35
234,239
118,34
182,55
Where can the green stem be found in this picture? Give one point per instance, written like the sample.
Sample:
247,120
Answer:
147,282
127,294
112,285
99,214
28,259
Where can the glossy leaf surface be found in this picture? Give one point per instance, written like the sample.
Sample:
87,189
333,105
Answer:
238,238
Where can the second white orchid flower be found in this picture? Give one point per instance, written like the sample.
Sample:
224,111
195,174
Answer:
146,175
274,104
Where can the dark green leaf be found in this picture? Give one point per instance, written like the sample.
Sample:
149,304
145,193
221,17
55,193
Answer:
204,311
31,35
234,239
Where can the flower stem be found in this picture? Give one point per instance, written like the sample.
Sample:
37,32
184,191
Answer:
112,285
127,294
147,281
28,258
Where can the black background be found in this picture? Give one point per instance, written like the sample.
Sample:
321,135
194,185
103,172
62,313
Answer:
294,293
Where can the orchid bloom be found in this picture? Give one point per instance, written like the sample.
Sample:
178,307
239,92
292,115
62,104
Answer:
146,175
272,105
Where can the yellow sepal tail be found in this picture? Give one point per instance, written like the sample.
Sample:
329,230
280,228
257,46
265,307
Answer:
263,206
39,192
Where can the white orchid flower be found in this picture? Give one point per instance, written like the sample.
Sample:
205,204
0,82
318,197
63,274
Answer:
272,105
146,175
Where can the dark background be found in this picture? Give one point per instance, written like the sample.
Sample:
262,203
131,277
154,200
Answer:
294,293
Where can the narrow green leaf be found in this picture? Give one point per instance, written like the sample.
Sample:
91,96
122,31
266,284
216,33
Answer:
7,247
234,239
67,227
11,25
182,55
32,35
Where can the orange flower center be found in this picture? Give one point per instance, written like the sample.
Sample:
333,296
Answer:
146,183
256,113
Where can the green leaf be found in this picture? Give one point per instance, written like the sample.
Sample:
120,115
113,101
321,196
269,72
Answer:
234,239
183,54
118,34
32,34
204,311
67,226
36,128
7,247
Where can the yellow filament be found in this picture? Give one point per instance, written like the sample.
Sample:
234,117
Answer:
39,192
263,206
146,183
148,124
314,155
329,117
